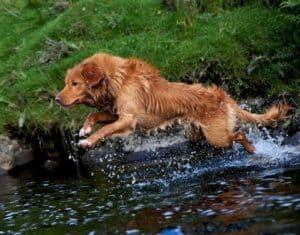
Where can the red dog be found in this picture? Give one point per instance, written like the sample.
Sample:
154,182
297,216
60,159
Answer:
133,94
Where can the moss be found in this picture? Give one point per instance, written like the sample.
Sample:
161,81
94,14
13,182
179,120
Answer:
216,46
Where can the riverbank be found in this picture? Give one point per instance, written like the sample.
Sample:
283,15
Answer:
250,50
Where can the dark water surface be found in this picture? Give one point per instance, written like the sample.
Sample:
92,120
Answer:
236,194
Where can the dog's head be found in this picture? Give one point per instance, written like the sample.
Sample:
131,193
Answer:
81,83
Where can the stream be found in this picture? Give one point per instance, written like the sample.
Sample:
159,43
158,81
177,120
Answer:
204,192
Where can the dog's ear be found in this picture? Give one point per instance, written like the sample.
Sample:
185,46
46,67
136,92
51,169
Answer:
92,74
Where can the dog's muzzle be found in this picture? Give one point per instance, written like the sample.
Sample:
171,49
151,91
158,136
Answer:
57,99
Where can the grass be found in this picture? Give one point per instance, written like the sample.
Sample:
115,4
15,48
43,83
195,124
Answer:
250,50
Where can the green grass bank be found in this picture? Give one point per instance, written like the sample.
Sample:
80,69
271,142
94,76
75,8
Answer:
251,49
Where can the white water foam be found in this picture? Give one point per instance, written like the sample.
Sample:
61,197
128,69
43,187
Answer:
270,153
270,147
263,142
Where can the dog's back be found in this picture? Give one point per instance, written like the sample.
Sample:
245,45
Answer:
158,97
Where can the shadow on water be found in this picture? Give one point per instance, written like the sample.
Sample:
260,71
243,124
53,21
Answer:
171,188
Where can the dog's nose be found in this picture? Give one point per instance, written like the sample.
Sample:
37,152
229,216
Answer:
57,99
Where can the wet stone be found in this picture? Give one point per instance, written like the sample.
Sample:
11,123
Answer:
51,165
140,150
293,139
13,154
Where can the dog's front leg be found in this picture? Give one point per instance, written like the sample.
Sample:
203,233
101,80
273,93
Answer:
119,126
93,118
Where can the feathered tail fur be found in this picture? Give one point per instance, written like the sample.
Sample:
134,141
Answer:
269,118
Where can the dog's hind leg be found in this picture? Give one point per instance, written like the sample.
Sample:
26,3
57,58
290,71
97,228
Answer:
221,137
241,138
218,136
93,118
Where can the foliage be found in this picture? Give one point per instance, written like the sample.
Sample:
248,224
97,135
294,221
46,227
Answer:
290,4
249,49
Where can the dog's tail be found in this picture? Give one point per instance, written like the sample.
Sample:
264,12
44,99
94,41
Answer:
269,118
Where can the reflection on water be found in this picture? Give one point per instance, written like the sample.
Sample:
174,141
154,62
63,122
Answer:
228,194
226,202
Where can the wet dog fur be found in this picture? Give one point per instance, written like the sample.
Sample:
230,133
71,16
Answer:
132,94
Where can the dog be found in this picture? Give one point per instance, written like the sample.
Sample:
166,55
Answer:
132,94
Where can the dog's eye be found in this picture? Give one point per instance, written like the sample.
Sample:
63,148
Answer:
74,83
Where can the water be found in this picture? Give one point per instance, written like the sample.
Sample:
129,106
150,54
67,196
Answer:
231,193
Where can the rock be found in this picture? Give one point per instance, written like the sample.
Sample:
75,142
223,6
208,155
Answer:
136,147
139,150
13,154
51,165
2,172
100,158
252,104
293,139
294,125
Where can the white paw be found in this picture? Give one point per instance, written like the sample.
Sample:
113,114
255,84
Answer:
85,131
84,143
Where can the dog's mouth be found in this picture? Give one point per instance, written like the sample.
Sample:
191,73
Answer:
70,105
79,100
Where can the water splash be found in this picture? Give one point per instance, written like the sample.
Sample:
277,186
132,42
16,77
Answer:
164,159
270,154
136,142
271,147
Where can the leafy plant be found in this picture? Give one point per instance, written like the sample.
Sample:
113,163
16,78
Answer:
290,4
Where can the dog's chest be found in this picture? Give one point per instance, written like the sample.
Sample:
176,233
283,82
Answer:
109,107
